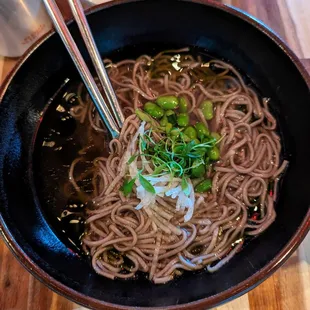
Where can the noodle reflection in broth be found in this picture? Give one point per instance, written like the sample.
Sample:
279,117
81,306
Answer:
194,171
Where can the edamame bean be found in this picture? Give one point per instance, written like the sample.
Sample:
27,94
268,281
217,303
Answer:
197,181
178,149
168,128
164,121
207,109
202,130
183,119
168,102
191,132
172,118
143,116
214,153
175,132
186,138
154,110
198,169
169,113
203,186
206,139
216,136
197,141
183,105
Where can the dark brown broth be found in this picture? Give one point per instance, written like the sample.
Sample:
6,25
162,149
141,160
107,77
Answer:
59,142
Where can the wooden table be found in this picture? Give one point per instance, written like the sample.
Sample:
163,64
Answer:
288,288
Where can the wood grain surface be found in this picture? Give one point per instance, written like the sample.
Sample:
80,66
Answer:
287,289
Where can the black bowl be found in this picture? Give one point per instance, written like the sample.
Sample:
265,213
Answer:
146,26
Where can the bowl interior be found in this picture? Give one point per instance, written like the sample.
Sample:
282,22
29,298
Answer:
129,30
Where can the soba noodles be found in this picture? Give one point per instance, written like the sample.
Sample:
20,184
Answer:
167,198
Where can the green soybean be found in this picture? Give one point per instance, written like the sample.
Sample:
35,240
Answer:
183,105
168,102
183,119
168,128
186,138
172,118
202,130
206,139
169,113
216,136
207,109
178,149
143,116
203,186
196,181
175,132
153,110
191,132
198,169
164,121
214,153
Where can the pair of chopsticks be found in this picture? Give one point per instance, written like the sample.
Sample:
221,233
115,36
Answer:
113,122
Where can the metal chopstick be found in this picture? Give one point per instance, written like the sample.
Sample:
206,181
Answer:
80,64
83,25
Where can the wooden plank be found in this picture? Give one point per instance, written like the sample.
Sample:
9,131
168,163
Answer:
14,281
40,297
266,296
284,290
300,12
238,304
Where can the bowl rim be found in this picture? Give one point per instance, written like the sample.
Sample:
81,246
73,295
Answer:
212,301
